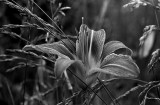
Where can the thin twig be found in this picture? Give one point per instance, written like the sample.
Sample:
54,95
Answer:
51,10
113,79
59,30
10,93
69,99
15,35
110,95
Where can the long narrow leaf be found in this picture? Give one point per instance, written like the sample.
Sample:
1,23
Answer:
54,49
27,55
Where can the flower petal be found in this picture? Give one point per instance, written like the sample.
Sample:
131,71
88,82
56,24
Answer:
53,48
97,39
80,71
82,43
77,66
61,65
90,45
117,47
118,65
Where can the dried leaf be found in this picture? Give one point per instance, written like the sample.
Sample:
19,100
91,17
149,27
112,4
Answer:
147,40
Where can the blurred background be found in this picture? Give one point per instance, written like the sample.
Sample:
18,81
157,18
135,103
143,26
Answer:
122,24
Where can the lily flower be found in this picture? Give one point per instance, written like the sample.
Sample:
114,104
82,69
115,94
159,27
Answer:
90,56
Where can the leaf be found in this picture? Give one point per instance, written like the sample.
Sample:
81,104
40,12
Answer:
147,40
118,65
26,25
53,48
115,46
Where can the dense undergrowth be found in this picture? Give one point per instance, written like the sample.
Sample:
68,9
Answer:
45,60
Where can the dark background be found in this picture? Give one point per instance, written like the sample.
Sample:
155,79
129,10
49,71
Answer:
119,23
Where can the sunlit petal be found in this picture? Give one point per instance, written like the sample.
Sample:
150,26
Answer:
116,47
61,65
90,45
82,43
118,65
97,39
